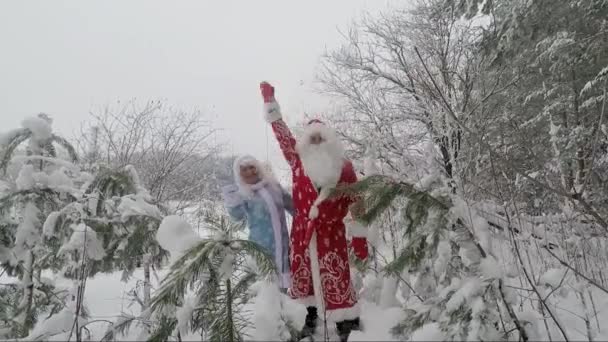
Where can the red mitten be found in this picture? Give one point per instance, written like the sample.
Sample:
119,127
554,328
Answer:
267,92
359,246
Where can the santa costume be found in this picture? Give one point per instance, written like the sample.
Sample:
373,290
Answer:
320,270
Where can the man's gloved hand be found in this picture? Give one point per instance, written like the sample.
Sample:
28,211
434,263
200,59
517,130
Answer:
267,92
272,111
358,242
359,245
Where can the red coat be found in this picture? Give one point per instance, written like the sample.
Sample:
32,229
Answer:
333,271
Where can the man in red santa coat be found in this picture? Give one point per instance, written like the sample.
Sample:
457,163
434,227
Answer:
320,270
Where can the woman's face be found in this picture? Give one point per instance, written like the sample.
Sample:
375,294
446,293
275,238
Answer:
249,174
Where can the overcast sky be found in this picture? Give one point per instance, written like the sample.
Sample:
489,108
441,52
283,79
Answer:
65,58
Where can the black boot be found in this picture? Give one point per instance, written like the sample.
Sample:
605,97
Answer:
310,324
345,327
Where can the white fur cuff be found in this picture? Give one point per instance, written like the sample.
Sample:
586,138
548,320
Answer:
356,229
338,315
272,111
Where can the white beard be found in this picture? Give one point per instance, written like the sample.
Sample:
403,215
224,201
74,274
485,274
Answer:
322,163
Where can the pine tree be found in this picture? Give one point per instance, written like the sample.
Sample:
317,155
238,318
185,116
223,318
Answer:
206,288
45,181
447,247
118,222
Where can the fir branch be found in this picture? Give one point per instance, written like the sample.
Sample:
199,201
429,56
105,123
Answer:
243,285
565,264
9,150
67,146
166,327
121,327
48,195
263,259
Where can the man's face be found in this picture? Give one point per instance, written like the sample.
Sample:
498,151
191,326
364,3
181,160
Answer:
249,174
316,139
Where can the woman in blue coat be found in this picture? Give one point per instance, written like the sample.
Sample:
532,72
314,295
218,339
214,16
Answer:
260,200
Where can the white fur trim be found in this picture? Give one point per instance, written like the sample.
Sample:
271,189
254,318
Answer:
314,212
245,188
314,209
272,111
338,315
285,281
307,301
264,171
316,272
356,229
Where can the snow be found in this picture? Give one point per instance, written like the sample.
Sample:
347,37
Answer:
373,235
55,161
135,205
60,181
27,235
272,311
40,128
355,229
553,277
428,332
425,182
377,323
470,288
176,236
25,180
57,327
139,188
369,162
443,257
388,294
227,266
84,238
5,138
48,228
490,268
184,315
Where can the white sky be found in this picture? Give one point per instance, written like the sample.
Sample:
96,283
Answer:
65,58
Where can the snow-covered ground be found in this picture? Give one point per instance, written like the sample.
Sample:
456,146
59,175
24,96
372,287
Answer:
107,297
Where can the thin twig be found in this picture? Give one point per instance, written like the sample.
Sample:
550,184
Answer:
571,197
523,335
591,281
597,134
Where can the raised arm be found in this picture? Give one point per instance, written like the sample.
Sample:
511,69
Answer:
272,113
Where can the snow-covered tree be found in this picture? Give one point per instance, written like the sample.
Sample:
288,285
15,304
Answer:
208,283
43,184
458,282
